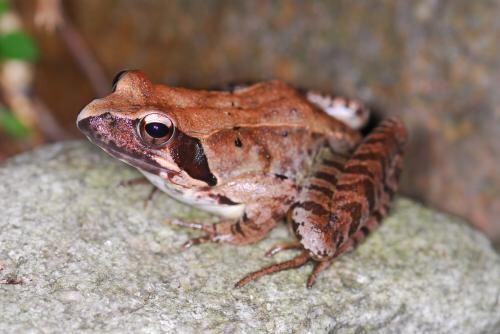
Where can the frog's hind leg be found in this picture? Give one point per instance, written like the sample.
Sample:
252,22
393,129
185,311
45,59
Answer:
359,195
316,192
369,181
304,257
351,112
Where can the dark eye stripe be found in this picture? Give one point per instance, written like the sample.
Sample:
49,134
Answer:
189,155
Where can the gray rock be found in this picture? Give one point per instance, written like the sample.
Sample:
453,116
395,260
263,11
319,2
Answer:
88,256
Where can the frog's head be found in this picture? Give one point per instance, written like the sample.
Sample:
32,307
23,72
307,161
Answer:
133,125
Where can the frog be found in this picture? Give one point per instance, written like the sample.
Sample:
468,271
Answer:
256,155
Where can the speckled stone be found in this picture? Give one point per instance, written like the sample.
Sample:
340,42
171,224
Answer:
89,256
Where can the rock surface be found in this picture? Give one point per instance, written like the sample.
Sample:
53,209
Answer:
87,256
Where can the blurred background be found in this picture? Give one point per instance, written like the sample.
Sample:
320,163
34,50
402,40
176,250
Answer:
435,63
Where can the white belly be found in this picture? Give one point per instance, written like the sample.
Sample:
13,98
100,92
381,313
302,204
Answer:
192,198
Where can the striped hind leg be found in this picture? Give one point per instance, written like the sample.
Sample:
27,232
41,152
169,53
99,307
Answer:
372,223
304,257
340,205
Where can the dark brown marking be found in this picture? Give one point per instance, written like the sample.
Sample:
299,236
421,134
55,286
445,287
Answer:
326,176
313,207
354,210
339,237
335,164
375,140
295,225
327,192
378,216
252,225
359,169
365,230
188,154
374,156
238,228
281,176
225,200
366,185
389,191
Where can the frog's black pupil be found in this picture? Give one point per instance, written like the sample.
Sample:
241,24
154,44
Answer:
157,130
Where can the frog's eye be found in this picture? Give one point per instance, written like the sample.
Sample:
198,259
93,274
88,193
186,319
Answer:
156,129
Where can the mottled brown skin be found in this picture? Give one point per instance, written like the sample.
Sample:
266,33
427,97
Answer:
257,153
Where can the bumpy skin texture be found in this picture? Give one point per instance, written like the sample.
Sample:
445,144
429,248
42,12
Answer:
254,155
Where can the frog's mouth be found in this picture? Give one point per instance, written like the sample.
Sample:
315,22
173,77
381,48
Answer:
140,162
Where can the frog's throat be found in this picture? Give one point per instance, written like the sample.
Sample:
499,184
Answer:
194,198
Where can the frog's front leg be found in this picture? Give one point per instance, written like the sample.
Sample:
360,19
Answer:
260,216
257,221
340,204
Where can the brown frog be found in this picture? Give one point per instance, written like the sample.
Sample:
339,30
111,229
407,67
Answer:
255,155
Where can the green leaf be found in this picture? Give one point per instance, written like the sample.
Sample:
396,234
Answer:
18,45
11,125
4,6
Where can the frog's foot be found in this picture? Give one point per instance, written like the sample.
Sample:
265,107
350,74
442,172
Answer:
242,232
351,112
299,261
209,229
295,262
305,256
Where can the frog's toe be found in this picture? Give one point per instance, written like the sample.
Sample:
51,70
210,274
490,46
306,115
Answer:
318,268
296,262
209,229
134,182
197,241
194,225
283,246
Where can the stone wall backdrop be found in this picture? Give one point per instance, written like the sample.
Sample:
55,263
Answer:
434,63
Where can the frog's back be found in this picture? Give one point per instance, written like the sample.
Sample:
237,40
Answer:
271,104
270,126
